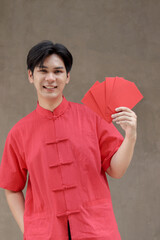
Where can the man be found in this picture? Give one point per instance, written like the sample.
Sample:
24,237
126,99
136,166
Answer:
66,149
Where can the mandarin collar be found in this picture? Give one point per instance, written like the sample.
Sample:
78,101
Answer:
59,110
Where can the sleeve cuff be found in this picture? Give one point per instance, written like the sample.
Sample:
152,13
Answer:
107,160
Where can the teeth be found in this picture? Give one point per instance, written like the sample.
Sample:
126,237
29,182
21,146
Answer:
50,87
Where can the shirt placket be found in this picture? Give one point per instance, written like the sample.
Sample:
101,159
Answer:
63,179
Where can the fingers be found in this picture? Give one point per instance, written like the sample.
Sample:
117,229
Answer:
123,109
124,115
122,118
127,123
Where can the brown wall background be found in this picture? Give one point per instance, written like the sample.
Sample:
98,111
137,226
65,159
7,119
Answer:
106,38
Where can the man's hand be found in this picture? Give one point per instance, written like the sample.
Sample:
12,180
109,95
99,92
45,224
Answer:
127,119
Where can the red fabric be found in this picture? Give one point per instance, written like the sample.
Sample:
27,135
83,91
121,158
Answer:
66,154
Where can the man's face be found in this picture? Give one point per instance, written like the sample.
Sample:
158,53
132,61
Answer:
50,79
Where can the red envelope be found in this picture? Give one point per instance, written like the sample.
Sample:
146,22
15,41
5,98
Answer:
104,97
89,101
109,88
124,93
97,91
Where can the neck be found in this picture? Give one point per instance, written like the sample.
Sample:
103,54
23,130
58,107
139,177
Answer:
50,104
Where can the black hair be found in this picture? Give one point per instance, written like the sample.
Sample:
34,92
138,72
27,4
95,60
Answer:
40,51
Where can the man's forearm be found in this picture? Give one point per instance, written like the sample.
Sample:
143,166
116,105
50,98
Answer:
122,158
16,203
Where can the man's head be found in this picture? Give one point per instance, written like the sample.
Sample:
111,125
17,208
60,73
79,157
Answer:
49,68
42,50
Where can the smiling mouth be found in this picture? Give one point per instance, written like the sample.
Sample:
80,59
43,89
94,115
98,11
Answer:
49,87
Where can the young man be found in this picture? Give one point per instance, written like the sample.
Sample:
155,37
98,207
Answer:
66,149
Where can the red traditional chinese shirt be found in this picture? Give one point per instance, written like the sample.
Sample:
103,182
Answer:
66,153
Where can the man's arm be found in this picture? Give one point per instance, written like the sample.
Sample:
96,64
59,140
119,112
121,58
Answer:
120,161
16,203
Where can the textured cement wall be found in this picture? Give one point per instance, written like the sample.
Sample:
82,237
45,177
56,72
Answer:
106,38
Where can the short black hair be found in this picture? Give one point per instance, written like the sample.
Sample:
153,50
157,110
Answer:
40,51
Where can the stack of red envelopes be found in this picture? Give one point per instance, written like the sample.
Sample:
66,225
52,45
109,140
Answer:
114,92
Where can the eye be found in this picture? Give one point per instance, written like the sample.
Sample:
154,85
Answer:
58,71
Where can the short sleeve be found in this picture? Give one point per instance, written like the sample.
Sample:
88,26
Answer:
110,140
13,171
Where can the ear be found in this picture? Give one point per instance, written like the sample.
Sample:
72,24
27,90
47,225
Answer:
68,78
30,76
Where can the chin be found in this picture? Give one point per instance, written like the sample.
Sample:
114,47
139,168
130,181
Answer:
50,96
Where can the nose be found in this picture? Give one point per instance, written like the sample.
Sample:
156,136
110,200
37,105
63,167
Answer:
50,77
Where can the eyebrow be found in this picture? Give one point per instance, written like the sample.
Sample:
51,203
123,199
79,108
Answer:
54,67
